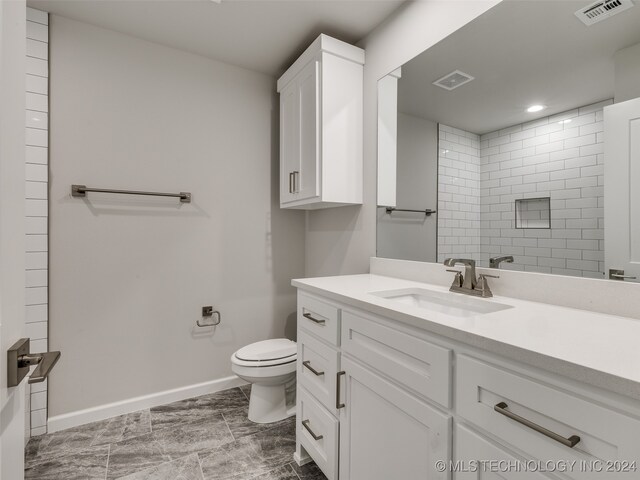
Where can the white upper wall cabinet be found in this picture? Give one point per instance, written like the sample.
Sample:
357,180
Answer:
321,127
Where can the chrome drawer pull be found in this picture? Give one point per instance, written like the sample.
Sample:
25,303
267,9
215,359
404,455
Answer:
338,404
318,321
305,424
570,442
313,370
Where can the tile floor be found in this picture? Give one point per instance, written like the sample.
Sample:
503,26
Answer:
202,438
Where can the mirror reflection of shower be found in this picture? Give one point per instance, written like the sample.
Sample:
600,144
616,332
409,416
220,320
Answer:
505,141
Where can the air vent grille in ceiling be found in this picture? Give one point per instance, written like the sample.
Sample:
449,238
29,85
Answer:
601,10
453,80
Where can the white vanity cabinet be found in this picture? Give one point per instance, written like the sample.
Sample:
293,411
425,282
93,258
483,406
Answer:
350,409
379,399
321,101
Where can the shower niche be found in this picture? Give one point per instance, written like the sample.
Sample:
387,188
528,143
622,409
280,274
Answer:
533,212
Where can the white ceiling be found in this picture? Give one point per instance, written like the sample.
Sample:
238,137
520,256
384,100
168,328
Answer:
261,35
521,53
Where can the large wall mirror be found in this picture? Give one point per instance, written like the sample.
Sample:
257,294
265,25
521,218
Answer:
515,142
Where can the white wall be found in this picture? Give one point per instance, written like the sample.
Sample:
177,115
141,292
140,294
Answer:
12,244
627,73
129,275
36,191
341,240
411,235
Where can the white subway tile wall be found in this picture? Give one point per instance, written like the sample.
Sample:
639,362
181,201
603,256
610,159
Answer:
36,208
458,194
480,178
560,157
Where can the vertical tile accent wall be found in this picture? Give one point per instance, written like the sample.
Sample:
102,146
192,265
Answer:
36,208
458,194
561,157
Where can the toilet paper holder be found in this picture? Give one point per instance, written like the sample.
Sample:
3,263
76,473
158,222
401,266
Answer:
209,312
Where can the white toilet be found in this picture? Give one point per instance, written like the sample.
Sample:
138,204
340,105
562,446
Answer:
270,366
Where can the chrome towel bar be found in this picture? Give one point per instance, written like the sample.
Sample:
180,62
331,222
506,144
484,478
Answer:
427,211
81,191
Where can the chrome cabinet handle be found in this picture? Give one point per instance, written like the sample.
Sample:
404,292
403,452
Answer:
290,182
307,364
295,174
338,404
305,424
316,320
570,442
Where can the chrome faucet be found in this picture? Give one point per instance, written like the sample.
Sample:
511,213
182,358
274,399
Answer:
469,279
468,283
494,262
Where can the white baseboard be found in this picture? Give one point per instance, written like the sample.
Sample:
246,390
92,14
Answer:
102,412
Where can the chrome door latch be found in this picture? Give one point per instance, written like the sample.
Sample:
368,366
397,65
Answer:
616,274
20,359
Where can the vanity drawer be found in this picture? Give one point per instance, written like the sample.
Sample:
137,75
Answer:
317,368
604,435
317,431
472,449
411,361
319,317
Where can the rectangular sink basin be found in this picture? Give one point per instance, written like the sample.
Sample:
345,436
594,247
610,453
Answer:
454,304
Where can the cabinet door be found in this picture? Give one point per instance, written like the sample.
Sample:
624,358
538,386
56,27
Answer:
387,433
306,177
289,141
479,459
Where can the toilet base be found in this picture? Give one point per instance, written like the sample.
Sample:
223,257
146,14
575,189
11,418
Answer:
268,404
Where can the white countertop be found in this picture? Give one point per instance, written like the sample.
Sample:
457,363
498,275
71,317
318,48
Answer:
595,348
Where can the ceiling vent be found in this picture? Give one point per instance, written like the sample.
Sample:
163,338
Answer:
453,80
601,10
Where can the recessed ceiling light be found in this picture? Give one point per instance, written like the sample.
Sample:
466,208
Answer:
535,108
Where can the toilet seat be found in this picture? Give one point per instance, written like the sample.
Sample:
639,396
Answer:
266,353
